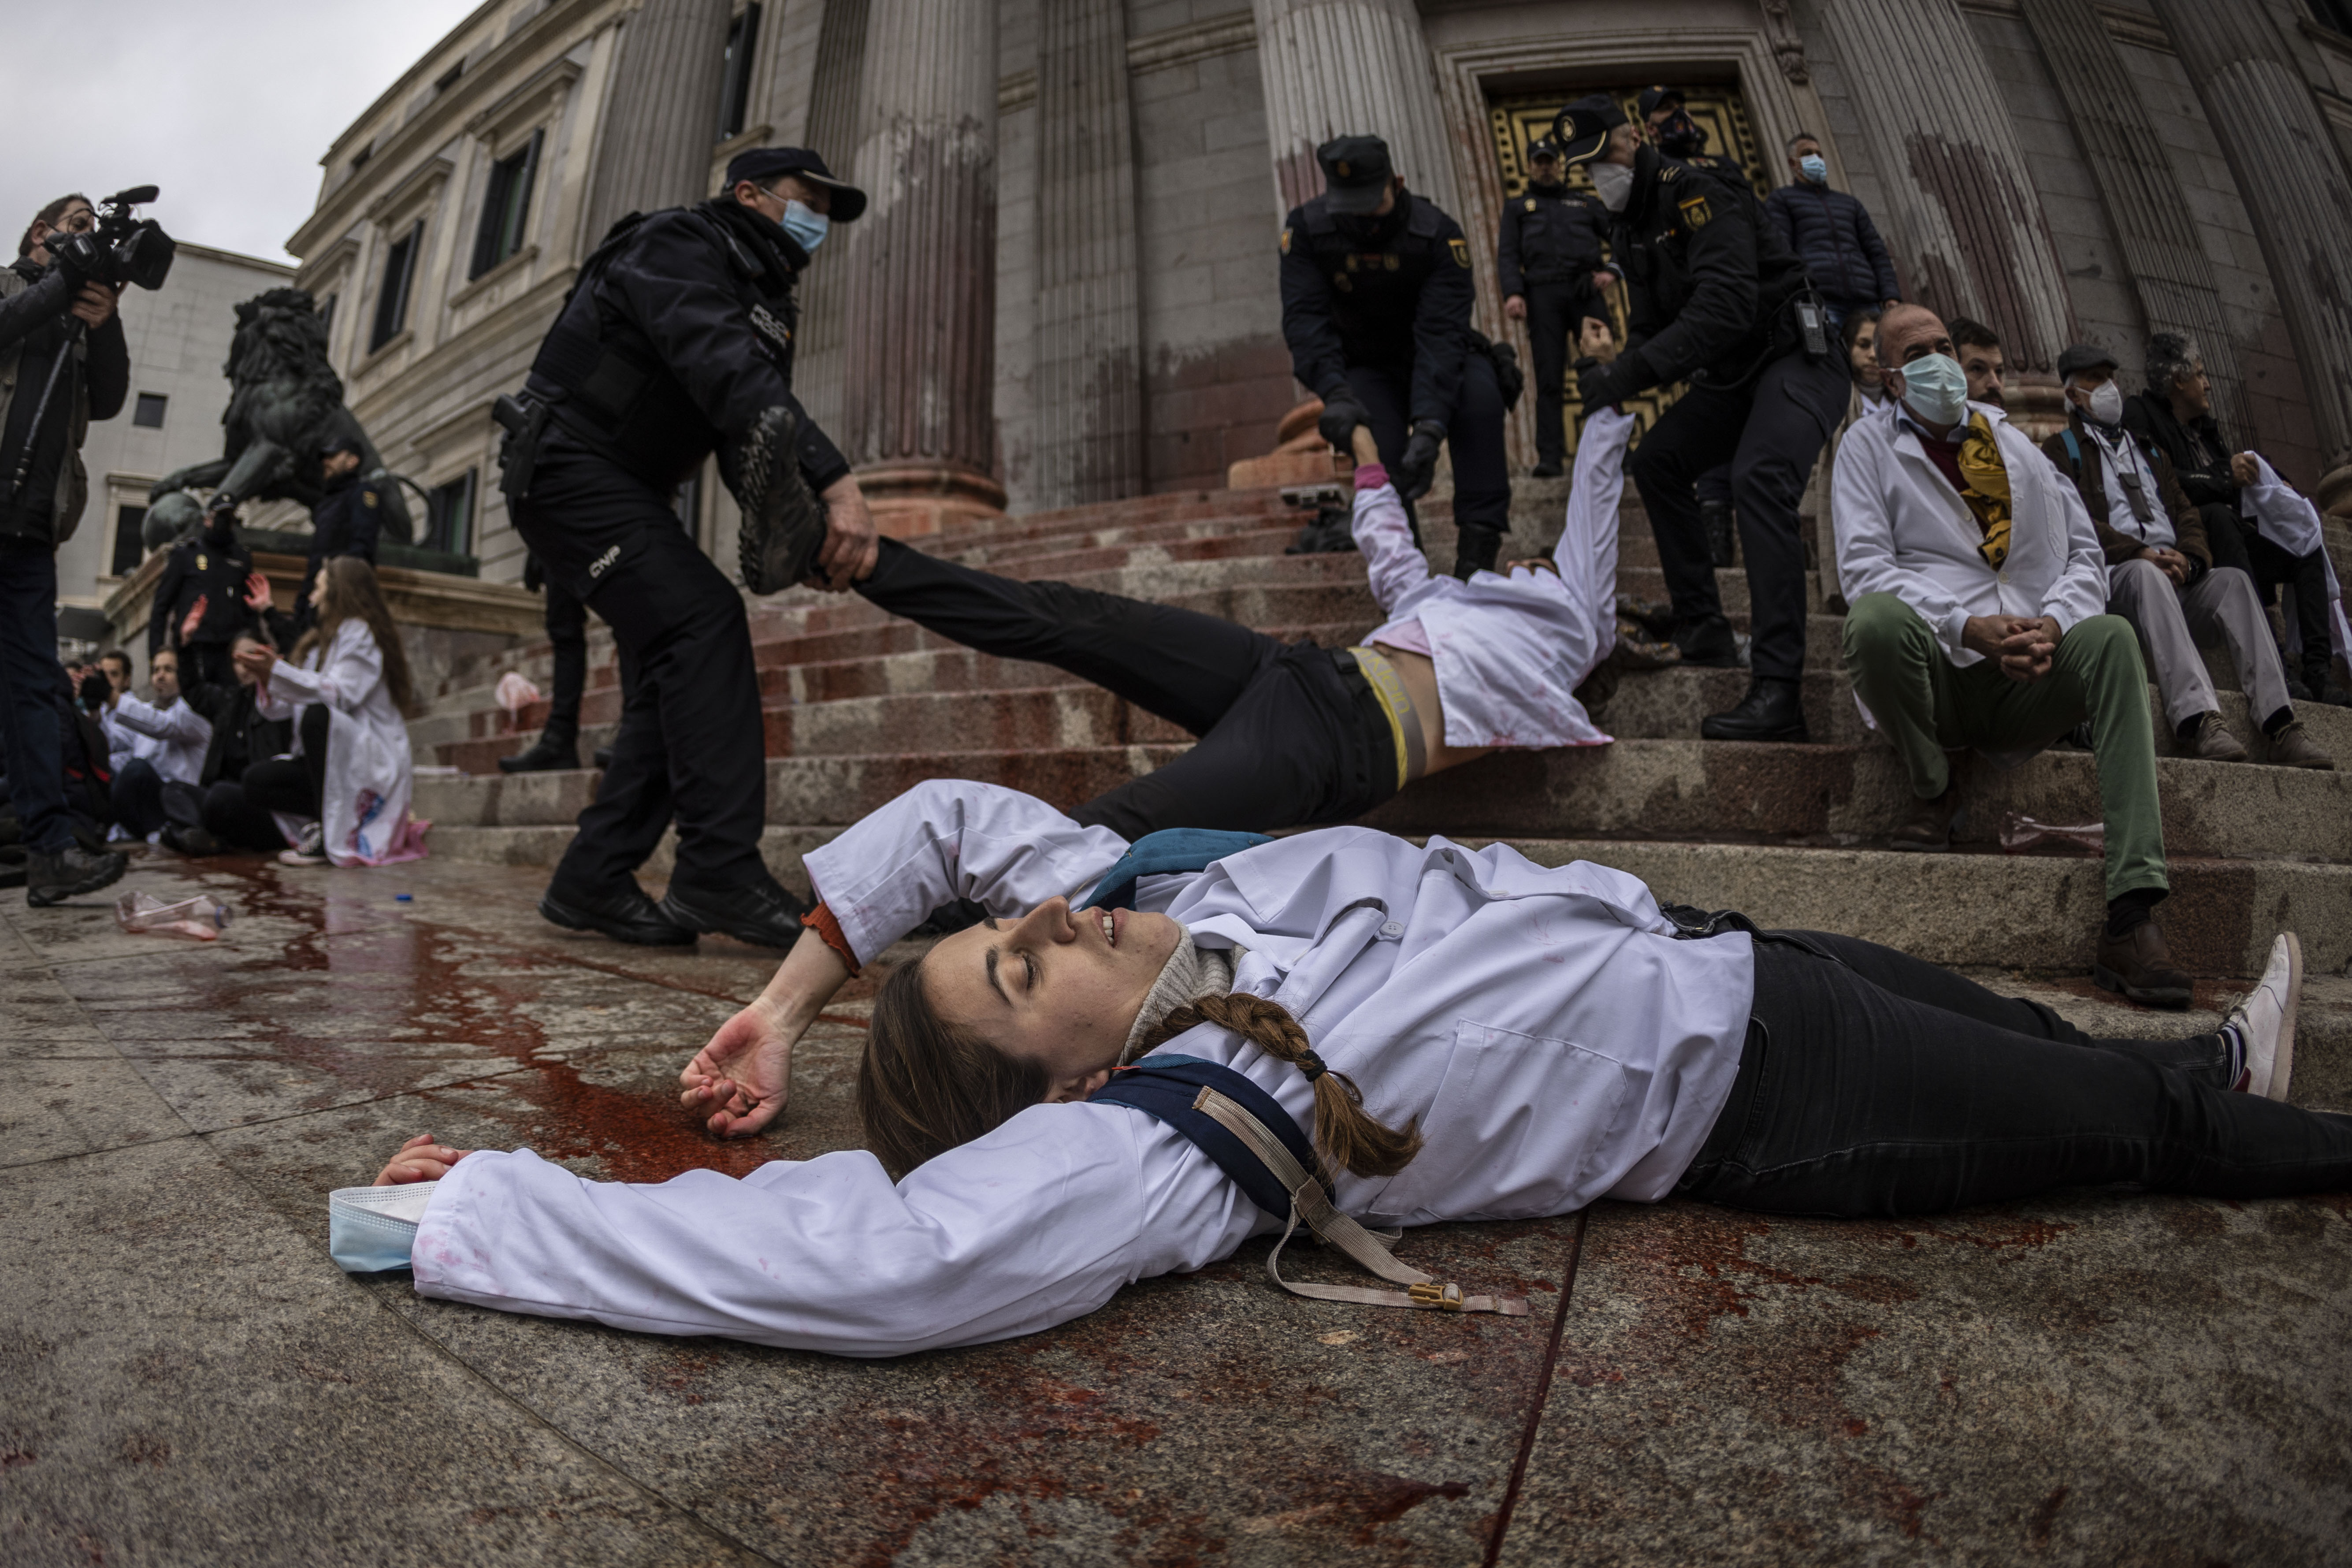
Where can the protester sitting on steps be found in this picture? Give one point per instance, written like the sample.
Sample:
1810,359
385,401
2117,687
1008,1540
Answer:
174,758
1977,593
2162,576
348,678
1470,1036
1293,733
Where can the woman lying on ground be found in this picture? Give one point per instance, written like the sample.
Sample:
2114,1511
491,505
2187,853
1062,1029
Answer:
1294,733
1523,1040
348,678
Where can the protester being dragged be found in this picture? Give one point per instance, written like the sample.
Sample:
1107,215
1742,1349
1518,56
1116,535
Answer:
1977,593
173,761
346,685
2161,576
2175,416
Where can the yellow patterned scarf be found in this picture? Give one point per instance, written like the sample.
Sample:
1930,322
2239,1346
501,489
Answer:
1987,490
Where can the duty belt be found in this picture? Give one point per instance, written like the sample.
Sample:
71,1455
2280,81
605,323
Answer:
1405,722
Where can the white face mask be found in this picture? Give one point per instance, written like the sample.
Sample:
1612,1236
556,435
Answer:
1935,388
1614,183
2107,402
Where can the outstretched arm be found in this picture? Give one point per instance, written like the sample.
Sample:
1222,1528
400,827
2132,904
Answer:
742,1079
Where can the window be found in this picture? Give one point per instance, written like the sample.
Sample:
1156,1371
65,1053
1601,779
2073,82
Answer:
149,414
449,516
2334,14
130,550
449,78
360,158
327,318
688,503
506,205
735,98
391,298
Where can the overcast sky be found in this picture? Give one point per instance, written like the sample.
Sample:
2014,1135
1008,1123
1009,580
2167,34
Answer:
228,105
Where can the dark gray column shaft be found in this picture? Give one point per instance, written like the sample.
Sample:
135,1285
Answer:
661,117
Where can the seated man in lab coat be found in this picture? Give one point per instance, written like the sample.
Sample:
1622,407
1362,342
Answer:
1978,590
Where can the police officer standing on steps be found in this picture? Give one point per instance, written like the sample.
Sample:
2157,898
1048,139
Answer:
1376,298
1547,257
675,342
1715,299
346,521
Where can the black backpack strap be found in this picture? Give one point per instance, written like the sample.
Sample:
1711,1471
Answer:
1165,1087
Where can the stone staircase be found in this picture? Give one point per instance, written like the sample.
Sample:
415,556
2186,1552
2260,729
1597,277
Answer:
858,707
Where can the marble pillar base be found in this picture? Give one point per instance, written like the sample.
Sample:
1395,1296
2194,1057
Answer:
2334,494
910,500
2036,405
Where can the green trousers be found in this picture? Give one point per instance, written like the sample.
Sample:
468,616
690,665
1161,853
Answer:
1927,705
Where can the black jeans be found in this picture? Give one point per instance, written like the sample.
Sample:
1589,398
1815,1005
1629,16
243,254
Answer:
297,785
1883,1085
1290,733
1474,435
1769,431
1557,311
231,816
28,702
567,636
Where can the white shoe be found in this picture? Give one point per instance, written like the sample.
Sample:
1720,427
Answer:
2265,1020
312,850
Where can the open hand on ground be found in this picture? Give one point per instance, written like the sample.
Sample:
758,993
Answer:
421,1158
740,1080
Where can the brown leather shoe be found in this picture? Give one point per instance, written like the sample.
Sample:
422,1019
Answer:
2210,739
1928,825
2137,965
2293,747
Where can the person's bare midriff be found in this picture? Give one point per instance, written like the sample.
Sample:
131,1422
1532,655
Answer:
1420,677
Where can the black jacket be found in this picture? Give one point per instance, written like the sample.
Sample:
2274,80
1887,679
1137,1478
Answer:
1832,234
241,736
1548,234
347,520
2201,458
1708,281
1400,300
34,329
207,567
678,335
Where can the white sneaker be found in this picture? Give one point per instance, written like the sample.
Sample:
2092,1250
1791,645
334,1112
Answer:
312,850
2265,1020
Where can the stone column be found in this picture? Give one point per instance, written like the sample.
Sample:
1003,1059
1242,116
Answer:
831,128
1957,203
1349,67
917,415
1089,374
2295,192
653,145
2142,195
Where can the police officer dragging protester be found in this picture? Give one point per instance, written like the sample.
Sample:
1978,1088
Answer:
1715,300
1547,259
677,341
346,521
1376,298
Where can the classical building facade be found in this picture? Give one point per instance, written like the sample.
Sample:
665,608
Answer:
1065,290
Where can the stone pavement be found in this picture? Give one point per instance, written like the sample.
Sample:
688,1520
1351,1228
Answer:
185,1377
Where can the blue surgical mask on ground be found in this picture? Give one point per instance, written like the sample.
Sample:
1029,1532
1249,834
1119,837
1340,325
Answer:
1614,183
1935,388
805,225
1815,168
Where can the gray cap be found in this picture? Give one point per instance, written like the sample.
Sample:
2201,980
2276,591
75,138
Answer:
2084,356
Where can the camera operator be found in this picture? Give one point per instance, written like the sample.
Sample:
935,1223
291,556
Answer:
48,313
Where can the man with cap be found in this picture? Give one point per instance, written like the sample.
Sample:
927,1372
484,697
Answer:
1547,259
348,516
1677,135
1376,298
1717,301
675,343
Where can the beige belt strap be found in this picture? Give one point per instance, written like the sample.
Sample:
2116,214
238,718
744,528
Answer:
1404,723
1309,1202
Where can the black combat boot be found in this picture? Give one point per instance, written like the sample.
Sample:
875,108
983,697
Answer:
54,875
1722,531
554,751
622,914
760,912
1475,549
1772,711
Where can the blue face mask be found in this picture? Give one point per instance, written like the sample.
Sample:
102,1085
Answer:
1814,167
805,225
1935,388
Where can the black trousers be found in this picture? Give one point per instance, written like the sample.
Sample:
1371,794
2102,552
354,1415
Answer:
1769,431
1482,474
296,784
567,633
1555,314
1290,734
1885,1086
2235,541
692,745
144,800
231,816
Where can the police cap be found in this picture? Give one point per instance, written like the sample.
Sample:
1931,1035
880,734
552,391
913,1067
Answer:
1654,99
2079,357
1540,149
334,444
1582,129
1355,173
763,165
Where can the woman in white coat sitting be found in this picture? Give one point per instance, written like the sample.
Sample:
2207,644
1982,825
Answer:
348,678
1523,1040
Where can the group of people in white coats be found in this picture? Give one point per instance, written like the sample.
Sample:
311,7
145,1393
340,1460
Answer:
1114,1074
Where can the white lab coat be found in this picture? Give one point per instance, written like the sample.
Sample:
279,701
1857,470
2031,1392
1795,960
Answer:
365,812
1553,1042
175,738
1509,650
2285,516
1902,529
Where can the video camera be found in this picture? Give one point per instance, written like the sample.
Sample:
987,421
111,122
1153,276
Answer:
119,249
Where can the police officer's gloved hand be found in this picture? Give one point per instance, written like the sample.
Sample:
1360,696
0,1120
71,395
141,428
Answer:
1600,386
1417,470
1337,425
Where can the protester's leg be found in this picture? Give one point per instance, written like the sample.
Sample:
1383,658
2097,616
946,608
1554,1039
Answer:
2141,593
28,712
1184,666
282,786
1700,431
1940,987
232,816
1555,311
1797,404
1899,671
139,798
2226,540
316,728
1482,475
2222,604
1854,1100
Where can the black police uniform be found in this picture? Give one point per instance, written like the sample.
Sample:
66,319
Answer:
1712,293
558,746
1548,248
676,338
346,521
1378,310
212,567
